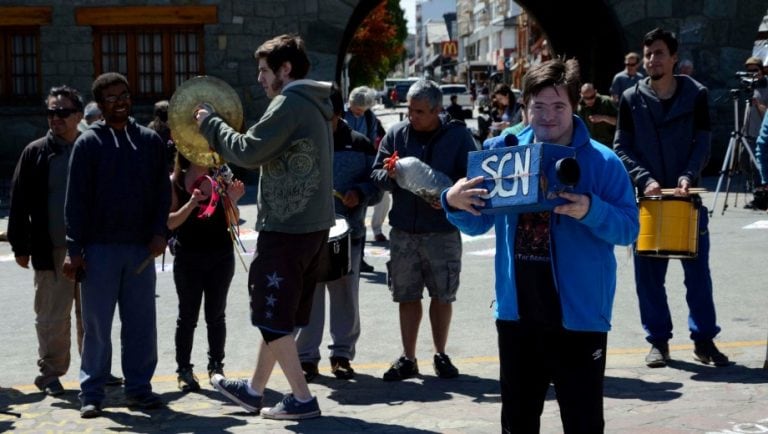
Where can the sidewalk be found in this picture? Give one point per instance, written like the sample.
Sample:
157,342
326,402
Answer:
682,398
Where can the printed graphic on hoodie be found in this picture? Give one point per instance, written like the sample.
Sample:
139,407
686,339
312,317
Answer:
291,180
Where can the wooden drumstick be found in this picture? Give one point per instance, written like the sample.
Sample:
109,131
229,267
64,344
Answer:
692,190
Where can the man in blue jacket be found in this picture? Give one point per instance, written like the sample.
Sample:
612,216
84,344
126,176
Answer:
663,138
116,209
555,271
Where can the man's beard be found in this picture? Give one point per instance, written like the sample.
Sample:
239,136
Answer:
277,86
657,77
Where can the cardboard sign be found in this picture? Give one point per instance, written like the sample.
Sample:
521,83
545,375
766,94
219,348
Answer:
520,178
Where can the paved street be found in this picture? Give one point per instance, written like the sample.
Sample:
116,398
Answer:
686,397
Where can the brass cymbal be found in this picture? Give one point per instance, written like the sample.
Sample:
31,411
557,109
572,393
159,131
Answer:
181,108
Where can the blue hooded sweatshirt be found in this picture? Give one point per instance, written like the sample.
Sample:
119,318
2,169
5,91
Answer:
584,265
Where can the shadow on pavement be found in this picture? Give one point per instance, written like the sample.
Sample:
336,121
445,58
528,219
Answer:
367,389
635,388
10,397
375,277
728,374
336,424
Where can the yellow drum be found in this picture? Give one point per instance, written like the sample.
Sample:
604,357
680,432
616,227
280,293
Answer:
668,227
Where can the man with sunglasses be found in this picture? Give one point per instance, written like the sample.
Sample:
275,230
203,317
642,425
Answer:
599,114
627,77
36,233
117,202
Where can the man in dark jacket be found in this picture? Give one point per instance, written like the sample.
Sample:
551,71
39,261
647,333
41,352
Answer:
425,249
353,157
118,197
663,138
36,232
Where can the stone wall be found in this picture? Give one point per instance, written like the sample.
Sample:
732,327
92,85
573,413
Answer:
717,35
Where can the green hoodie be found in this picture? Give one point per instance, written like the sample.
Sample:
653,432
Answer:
292,144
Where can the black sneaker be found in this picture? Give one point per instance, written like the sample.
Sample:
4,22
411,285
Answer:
310,371
341,368
113,380
145,401
54,388
291,409
237,392
187,380
90,410
213,369
658,356
365,267
401,369
443,366
706,352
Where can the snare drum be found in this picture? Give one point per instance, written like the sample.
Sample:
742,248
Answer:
669,227
335,259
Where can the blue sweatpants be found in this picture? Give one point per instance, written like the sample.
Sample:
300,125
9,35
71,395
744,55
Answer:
111,280
652,295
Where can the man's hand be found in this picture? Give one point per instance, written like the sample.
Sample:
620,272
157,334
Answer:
577,208
72,265
157,245
464,196
683,188
652,189
351,198
23,261
202,111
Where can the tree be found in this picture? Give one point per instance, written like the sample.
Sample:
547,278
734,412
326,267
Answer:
378,44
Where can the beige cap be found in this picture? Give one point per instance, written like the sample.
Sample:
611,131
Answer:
754,61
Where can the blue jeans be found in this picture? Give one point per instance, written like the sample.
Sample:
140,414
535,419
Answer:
652,296
111,280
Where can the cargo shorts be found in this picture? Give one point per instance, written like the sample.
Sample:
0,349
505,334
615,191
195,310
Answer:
431,260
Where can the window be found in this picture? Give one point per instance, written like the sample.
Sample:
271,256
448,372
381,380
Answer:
155,60
20,50
156,47
19,57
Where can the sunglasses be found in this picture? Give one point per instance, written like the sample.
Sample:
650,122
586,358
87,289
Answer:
589,98
62,113
631,64
114,98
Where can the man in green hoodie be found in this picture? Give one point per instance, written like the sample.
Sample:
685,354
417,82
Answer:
292,145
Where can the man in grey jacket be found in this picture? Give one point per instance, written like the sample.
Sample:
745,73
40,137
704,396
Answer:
663,138
425,249
292,144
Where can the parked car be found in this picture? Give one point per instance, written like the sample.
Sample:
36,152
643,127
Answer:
463,97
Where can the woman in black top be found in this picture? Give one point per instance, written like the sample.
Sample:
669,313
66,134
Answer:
204,261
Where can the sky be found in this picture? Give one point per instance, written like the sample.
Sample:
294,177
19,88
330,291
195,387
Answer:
409,6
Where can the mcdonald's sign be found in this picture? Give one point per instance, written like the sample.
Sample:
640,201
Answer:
450,49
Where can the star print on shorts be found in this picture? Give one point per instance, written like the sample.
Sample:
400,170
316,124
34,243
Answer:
274,280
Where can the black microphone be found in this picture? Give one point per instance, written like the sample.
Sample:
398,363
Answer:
510,140
568,171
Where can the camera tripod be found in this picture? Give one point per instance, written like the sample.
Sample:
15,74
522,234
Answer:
733,154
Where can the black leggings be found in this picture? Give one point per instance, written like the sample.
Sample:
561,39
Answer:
196,273
531,358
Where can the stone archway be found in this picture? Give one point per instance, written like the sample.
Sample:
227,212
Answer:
716,36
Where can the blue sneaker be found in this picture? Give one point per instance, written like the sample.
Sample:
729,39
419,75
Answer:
291,409
237,392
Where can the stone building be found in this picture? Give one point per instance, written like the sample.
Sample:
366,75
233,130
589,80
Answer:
161,43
